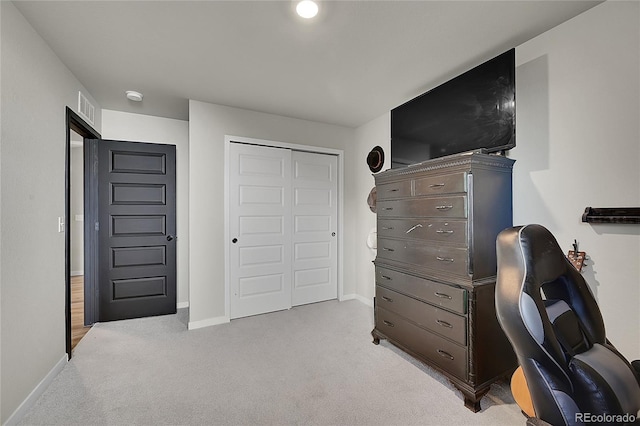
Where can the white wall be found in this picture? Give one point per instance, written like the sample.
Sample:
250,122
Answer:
35,89
208,125
376,132
578,145
145,128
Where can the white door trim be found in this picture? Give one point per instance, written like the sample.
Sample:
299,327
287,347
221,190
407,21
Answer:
295,147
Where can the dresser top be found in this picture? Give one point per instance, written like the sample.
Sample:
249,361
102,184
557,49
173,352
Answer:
464,161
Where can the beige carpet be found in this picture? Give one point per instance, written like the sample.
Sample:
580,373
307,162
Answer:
311,365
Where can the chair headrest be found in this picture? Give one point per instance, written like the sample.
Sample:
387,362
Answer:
532,268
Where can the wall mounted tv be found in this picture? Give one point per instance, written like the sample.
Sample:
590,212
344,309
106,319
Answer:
472,112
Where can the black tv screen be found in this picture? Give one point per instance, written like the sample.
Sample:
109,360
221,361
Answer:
472,112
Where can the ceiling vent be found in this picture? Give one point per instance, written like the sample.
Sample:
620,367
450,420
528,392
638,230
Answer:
85,108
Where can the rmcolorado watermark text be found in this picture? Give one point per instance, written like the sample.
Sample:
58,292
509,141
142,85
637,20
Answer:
605,418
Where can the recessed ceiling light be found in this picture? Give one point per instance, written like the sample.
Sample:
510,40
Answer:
307,9
132,95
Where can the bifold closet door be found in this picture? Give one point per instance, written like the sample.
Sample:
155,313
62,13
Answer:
315,215
260,229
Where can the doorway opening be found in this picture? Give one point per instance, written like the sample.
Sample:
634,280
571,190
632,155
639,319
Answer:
76,235
75,266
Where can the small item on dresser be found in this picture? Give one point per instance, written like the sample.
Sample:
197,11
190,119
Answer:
375,159
372,199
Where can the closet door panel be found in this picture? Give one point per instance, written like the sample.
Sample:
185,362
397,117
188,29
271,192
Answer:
260,229
315,215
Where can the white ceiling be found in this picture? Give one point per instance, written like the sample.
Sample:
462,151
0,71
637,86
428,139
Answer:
351,64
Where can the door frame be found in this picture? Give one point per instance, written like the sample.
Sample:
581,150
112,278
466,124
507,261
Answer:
228,139
77,124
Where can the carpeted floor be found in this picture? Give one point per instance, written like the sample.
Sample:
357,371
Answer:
311,365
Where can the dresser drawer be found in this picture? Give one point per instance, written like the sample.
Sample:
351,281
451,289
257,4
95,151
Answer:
393,190
447,207
453,260
437,230
449,356
441,184
443,295
445,323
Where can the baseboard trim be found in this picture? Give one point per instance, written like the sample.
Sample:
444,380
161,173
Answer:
36,393
76,273
368,302
193,325
182,305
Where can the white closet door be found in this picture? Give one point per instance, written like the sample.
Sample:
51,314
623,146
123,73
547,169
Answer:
260,229
315,215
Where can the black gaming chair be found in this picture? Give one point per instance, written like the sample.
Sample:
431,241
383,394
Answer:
548,313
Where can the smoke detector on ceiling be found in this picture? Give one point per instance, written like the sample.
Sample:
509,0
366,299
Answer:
132,95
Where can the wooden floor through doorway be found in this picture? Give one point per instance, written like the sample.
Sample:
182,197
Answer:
78,330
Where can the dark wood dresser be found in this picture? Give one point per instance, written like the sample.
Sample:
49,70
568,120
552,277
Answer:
436,266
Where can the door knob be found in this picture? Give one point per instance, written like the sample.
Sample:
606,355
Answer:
169,237
235,240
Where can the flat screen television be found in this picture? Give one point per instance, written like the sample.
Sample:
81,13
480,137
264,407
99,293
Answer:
474,111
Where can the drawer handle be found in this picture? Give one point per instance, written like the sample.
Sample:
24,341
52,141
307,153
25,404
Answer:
445,354
390,228
444,259
388,249
419,225
436,185
442,295
444,207
388,208
444,324
388,299
393,190
388,323
385,277
444,231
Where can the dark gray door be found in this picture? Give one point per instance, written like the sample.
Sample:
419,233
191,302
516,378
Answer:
136,229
